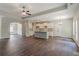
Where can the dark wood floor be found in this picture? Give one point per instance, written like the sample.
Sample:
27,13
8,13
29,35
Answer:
22,46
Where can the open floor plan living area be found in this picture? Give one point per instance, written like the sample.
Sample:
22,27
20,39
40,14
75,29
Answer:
39,29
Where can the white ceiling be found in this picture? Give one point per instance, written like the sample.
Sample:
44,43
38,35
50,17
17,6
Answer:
14,9
38,7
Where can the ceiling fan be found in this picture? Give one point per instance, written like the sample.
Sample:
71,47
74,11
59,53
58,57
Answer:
25,12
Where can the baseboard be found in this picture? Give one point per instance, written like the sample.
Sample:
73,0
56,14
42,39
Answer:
51,36
76,42
4,38
61,36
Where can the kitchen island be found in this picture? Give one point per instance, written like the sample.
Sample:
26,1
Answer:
40,34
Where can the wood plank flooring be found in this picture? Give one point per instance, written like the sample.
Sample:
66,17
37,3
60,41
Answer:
30,46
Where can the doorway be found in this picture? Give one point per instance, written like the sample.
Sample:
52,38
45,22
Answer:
15,29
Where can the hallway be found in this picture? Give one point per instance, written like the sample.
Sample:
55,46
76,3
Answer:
30,46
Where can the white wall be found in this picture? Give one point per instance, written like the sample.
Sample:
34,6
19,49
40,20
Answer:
28,27
78,23
65,28
0,27
25,29
19,29
76,16
78,28
5,26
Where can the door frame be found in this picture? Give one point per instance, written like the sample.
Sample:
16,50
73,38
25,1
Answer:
75,30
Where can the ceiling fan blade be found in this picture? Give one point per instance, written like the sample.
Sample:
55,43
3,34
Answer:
28,13
24,12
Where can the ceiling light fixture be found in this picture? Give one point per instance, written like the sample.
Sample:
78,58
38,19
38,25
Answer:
25,13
